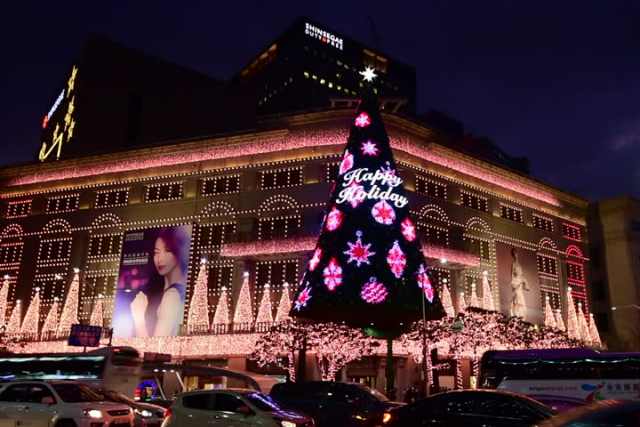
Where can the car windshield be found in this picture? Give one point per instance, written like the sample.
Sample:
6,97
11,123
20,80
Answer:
74,393
262,402
375,393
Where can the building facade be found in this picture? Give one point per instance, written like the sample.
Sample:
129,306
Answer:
614,227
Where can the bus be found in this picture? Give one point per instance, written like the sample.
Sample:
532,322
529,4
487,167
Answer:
112,368
563,378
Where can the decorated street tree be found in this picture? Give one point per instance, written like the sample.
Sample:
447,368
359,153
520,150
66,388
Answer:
69,314
198,317
367,269
30,323
279,346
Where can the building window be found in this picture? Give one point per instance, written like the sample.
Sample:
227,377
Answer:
575,273
542,223
104,245
228,184
434,234
96,283
54,250
61,204
163,192
281,178
474,201
18,209
214,235
478,247
430,188
571,232
278,228
276,273
331,172
547,265
11,252
511,213
112,198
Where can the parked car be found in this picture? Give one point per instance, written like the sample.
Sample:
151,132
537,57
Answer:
603,413
469,408
333,403
231,408
60,404
146,414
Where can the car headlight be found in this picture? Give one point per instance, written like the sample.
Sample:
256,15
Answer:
144,413
92,413
285,423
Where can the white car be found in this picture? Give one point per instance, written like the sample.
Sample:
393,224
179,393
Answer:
231,408
59,404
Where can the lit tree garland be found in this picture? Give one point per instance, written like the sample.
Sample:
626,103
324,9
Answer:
572,319
97,314
549,318
69,314
279,346
31,319
221,315
50,325
243,315
265,312
593,332
487,294
4,299
198,317
284,307
13,327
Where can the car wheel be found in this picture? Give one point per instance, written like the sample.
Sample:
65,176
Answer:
66,423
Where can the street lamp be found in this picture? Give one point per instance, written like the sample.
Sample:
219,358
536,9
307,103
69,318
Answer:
618,307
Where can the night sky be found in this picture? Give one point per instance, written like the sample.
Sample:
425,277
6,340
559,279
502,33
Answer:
556,81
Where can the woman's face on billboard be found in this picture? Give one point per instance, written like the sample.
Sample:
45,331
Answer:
163,259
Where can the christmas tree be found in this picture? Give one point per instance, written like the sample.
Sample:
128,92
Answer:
221,316
487,295
462,304
4,299
31,320
447,304
69,314
265,315
243,314
572,318
367,267
549,318
13,327
593,332
559,320
583,327
198,318
50,325
475,301
282,314
97,314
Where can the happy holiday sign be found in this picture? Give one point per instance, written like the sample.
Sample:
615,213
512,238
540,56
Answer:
354,192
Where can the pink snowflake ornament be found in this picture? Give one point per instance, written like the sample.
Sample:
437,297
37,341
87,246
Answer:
334,219
369,148
358,251
332,275
424,283
315,259
408,230
373,291
397,260
303,298
383,213
347,162
363,120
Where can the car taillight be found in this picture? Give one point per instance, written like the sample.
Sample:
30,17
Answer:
167,413
386,418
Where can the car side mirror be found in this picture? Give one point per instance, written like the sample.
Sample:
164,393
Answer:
244,410
48,400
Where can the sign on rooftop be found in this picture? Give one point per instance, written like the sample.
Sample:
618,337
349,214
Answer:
324,36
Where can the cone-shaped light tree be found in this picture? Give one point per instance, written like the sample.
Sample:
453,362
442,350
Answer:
367,267
97,314
447,303
243,314
13,326
4,299
198,317
474,300
573,330
69,314
560,320
593,332
462,303
282,314
549,318
583,326
31,319
50,325
221,316
265,312
487,294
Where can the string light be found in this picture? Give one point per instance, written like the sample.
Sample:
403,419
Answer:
4,299
69,314
97,314
50,325
243,314
198,317
13,326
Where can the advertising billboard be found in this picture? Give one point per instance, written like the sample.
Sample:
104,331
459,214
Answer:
518,282
150,293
